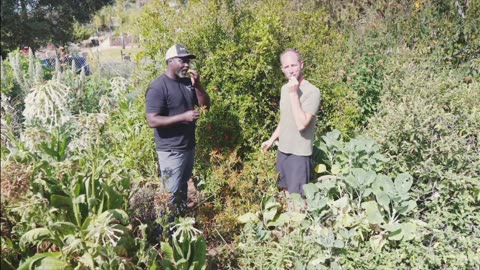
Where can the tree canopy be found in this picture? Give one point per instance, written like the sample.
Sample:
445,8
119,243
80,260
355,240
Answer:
34,22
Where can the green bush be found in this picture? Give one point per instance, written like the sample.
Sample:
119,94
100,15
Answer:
428,124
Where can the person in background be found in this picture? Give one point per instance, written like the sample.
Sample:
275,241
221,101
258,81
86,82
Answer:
299,103
170,111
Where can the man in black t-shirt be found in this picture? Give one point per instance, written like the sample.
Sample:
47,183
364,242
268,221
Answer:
170,111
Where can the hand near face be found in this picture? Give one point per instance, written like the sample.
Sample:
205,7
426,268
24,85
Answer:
293,85
195,77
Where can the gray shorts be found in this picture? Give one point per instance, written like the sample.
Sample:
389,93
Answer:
295,171
175,170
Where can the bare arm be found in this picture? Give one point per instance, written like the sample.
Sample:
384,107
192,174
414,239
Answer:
267,144
155,120
302,118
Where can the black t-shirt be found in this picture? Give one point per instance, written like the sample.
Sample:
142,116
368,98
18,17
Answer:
170,97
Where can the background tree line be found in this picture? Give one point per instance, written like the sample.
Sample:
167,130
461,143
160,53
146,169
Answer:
35,23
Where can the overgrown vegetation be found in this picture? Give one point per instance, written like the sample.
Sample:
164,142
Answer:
396,156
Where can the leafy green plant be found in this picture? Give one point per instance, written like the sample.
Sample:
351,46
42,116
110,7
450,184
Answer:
341,211
187,249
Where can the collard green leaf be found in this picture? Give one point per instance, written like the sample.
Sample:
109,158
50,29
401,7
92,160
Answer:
406,207
248,217
320,168
269,215
403,182
377,242
317,204
409,229
336,169
279,221
341,203
383,183
383,199
392,227
352,181
373,213
310,190
268,202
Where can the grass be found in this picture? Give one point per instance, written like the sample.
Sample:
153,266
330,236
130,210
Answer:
112,54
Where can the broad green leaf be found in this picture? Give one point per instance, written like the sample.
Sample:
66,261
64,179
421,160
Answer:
268,203
336,169
346,221
113,198
409,230
392,227
373,213
377,242
182,264
179,252
352,181
279,221
383,183
368,178
309,190
403,182
269,215
341,203
45,261
327,240
154,266
296,198
335,266
116,214
383,199
338,244
248,217
406,207
33,235
64,227
59,201
50,263
167,251
87,260
199,254
317,204
298,217
396,235
166,265
320,168
86,222
79,199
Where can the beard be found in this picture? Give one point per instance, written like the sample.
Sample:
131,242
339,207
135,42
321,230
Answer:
182,73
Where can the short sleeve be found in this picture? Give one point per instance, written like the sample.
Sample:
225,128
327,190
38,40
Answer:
311,103
154,99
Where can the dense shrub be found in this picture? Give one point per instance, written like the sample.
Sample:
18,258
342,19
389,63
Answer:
428,124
